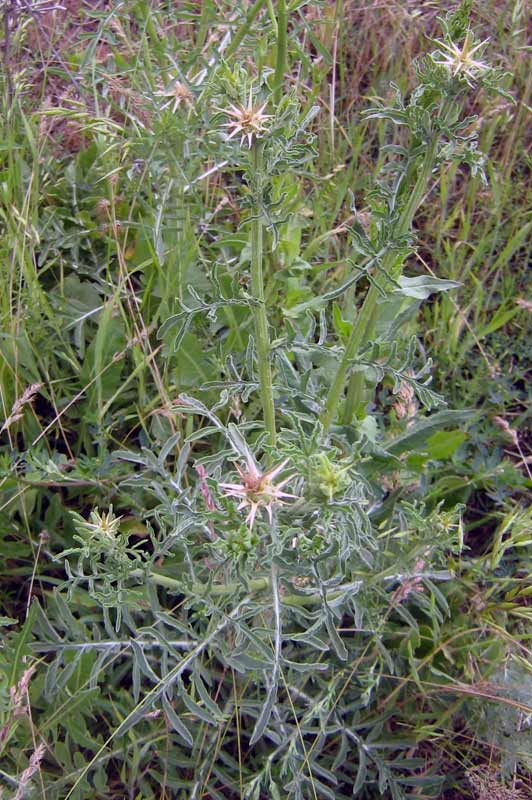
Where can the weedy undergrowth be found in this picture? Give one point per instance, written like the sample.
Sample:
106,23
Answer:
282,567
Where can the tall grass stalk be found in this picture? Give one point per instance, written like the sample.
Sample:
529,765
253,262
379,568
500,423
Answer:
280,65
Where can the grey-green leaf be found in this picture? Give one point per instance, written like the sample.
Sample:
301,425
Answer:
422,286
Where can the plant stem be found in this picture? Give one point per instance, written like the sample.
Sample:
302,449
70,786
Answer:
262,339
364,325
254,586
280,65
244,28
257,585
355,386
214,590
265,714
351,349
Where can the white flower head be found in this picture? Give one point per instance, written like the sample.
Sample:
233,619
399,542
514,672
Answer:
177,94
257,490
459,60
102,524
248,121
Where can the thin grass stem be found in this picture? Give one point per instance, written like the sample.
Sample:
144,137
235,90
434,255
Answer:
280,64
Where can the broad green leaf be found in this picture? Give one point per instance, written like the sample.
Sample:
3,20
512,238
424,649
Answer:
443,444
417,436
423,286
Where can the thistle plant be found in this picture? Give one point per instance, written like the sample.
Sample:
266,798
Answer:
304,536
438,132
285,547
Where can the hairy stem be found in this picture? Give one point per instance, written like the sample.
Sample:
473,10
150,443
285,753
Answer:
277,647
262,339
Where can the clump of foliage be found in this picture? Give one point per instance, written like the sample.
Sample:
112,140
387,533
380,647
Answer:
250,569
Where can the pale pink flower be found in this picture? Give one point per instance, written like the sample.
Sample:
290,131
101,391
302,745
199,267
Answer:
257,490
410,584
207,496
248,121
204,487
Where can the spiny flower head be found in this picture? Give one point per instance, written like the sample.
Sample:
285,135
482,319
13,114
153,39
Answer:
177,94
329,478
247,121
460,61
257,489
103,524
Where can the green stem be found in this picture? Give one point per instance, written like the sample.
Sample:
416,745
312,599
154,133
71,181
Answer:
280,66
215,589
364,325
244,28
254,586
259,310
351,349
355,388
257,585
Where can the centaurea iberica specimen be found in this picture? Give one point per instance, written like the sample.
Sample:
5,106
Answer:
176,94
247,121
257,490
459,60
431,124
